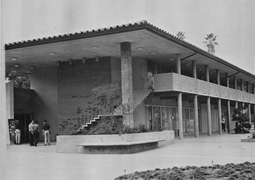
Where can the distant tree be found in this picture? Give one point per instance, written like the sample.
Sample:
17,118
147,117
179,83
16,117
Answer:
210,43
20,79
241,118
180,35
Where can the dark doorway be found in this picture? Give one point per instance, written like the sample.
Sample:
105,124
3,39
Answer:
25,120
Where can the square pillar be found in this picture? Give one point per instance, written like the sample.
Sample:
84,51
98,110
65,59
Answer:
180,115
194,69
126,82
235,82
249,111
209,117
178,63
229,117
236,105
207,73
254,113
219,116
196,116
227,79
4,129
218,76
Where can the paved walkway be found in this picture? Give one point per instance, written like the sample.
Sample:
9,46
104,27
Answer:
42,162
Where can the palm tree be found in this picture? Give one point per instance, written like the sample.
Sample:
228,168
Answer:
210,42
180,35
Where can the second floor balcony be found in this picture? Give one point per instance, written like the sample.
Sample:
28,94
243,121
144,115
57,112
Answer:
180,83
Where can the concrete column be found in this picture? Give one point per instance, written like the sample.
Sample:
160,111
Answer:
180,115
229,117
235,82
4,130
9,105
249,111
126,82
219,116
218,76
236,105
227,79
209,117
207,74
253,90
196,116
254,114
194,69
178,63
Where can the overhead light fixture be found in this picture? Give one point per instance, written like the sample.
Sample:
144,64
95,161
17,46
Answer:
170,59
32,67
95,47
52,53
16,65
139,48
14,58
153,53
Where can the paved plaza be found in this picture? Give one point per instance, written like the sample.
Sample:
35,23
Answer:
42,162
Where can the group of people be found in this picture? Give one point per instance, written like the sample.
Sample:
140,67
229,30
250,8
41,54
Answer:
33,129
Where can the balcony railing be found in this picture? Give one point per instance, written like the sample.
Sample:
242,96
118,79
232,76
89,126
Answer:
181,83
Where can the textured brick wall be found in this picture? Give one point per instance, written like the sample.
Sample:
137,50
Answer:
75,101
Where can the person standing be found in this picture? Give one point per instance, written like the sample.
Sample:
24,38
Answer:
46,132
17,132
223,121
35,128
31,138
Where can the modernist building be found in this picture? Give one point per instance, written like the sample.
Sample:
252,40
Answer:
167,83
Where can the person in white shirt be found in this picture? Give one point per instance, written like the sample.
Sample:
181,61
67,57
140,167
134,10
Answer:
31,133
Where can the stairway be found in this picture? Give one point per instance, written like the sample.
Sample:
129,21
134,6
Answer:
94,120
138,97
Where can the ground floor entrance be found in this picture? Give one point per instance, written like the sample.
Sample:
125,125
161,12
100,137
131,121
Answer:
24,120
166,118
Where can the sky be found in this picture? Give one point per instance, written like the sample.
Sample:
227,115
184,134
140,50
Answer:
232,21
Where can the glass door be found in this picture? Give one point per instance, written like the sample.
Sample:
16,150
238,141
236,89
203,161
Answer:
188,121
166,125
156,119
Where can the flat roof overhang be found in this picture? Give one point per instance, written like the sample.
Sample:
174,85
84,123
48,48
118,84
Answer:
145,40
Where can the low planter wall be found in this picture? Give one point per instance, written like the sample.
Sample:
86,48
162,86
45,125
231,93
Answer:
248,140
69,143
